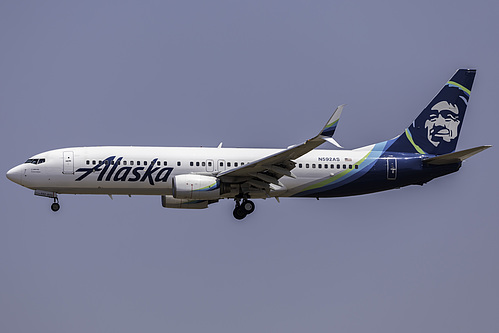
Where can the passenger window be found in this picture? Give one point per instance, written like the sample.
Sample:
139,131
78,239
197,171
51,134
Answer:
228,164
93,162
307,165
178,163
164,163
313,166
300,165
203,164
88,162
235,164
319,166
242,163
356,166
209,164
350,166
221,164
124,162
131,162
338,166
344,166
138,162
325,166
191,163
145,162
158,163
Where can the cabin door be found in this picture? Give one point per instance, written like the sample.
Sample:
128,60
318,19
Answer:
391,168
68,160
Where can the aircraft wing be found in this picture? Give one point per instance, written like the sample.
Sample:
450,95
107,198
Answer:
265,171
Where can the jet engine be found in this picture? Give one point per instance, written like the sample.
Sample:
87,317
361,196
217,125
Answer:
199,187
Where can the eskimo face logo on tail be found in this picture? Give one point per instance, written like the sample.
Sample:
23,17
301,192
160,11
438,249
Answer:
443,123
436,129
111,170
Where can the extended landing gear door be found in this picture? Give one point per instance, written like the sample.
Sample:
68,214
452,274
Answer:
68,166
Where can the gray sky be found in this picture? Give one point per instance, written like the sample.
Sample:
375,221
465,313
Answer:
252,74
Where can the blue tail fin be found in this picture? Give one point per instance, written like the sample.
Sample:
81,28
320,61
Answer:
436,130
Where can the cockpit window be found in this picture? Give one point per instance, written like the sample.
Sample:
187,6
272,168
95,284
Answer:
35,161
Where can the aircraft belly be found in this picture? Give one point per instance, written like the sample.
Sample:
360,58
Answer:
108,190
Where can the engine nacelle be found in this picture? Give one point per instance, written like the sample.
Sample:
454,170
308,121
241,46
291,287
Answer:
170,202
196,187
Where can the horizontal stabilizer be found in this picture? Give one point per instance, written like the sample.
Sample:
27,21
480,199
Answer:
456,157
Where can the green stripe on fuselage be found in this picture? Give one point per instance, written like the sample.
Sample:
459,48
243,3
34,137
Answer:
337,176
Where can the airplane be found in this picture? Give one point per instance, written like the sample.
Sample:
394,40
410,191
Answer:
194,178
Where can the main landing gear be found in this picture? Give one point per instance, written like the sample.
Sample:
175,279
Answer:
243,209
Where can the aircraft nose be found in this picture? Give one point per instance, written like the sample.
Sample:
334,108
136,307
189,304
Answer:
14,174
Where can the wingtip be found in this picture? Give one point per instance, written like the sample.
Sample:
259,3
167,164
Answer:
330,127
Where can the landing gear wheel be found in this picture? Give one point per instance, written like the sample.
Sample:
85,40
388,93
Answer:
55,207
248,206
239,213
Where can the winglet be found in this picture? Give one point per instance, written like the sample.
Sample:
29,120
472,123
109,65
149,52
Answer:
330,127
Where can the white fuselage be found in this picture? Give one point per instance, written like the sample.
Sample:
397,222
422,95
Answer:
61,170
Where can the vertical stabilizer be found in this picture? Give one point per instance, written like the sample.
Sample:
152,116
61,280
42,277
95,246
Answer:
436,130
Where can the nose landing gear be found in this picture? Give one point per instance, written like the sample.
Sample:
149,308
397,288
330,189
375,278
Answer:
55,206
243,209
